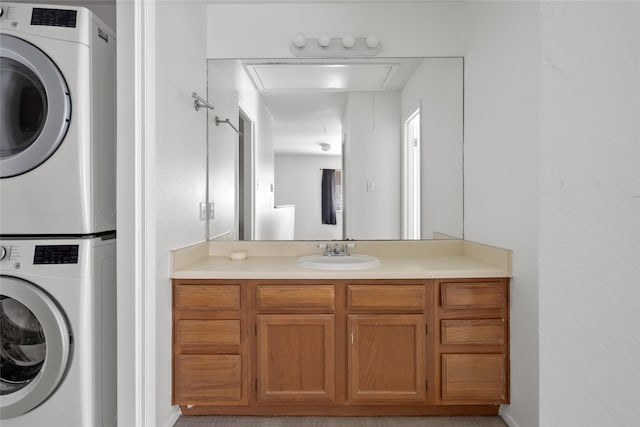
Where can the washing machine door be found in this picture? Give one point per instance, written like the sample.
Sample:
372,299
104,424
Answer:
35,106
36,346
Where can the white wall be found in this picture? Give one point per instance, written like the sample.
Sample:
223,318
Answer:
404,28
298,181
372,158
180,167
501,170
588,272
590,214
251,102
223,147
230,88
436,89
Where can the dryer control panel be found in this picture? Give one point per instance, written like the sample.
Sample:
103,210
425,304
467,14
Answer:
54,17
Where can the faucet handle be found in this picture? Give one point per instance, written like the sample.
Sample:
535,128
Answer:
351,245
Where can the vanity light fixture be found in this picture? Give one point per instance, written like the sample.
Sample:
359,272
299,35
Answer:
372,42
326,46
299,40
348,41
324,40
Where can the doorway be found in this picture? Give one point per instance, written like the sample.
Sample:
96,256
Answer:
245,179
412,173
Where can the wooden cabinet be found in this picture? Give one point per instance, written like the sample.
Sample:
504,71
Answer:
473,344
208,379
473,377
295,342
341,347
210,360
386,346
295,356
386,357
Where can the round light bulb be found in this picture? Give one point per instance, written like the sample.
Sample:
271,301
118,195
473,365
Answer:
348,41
324,40
299,40
372,42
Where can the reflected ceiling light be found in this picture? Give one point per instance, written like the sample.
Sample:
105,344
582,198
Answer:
324,146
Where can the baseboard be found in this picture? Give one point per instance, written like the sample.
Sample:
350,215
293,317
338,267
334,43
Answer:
507,418
173,417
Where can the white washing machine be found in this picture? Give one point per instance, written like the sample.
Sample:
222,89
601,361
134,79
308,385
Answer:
57,121
58,326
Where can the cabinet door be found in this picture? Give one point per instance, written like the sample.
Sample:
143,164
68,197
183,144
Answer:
473,378
386,358
296,360
209,380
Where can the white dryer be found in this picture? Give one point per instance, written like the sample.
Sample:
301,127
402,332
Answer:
57,121
58,328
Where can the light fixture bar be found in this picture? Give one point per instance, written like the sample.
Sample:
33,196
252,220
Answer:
335,47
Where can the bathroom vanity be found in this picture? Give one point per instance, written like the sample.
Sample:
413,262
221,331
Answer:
426,332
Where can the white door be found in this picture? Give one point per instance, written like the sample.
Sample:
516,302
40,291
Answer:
36,346
35,106
412,172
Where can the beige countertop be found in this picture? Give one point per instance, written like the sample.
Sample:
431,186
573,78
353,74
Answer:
399,260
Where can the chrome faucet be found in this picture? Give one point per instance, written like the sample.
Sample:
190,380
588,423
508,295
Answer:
337,250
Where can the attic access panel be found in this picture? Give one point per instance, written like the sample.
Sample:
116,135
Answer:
347,77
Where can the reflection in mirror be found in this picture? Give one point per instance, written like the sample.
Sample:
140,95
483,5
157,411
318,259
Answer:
386,134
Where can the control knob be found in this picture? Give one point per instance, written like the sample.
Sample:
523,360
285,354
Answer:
3,253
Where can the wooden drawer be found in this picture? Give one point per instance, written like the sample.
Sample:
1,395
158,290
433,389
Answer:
473,295
208,332
285,298
385,297
208,379
207,297
472,332
473,378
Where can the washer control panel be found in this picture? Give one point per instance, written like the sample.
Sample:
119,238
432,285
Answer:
56,254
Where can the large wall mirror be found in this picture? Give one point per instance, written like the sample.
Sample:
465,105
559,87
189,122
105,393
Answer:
364,149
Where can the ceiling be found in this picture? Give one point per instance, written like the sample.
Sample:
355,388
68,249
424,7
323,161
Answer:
307,99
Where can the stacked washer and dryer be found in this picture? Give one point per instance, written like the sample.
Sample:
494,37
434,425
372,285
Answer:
57,217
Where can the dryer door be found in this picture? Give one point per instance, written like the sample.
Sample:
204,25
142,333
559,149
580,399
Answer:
35,349
35,106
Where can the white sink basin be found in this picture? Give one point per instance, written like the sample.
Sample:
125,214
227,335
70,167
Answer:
351,262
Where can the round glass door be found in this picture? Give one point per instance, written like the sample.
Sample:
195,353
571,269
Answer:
24,346
35,348
35,106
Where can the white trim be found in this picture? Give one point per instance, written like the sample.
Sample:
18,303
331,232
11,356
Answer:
173,417
145,219
126,12
252,172
507,418
138,185
404,173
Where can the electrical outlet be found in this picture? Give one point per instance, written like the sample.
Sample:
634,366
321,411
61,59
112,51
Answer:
203,211
371,186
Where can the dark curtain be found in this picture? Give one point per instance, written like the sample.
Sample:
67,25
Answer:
328,196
